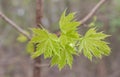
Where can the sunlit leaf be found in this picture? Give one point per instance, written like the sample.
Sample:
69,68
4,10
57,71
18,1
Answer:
67,23
46,43
93,44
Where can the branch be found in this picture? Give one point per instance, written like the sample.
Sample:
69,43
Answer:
39,13
86,18
92,12
14,25
89,15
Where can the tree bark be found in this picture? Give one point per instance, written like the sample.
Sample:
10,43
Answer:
36,69
102,70
39,6
39,11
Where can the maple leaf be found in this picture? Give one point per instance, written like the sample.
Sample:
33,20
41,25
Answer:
93,44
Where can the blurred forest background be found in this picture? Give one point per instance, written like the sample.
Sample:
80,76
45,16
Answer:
15,62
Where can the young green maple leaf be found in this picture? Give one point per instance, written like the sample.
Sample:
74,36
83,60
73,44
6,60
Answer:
68,27
93,44
68,39
46,43
67,23
66,57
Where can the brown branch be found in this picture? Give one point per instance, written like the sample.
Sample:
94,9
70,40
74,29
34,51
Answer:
89,15
86,18
39,11
92,12
14,25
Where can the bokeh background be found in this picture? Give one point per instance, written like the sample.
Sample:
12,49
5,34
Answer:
14,60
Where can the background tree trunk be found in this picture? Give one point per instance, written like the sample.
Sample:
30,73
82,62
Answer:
37,70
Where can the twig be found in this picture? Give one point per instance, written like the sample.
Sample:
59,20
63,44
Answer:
14,25
91,13
86,18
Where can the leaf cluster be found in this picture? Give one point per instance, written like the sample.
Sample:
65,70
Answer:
61,49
